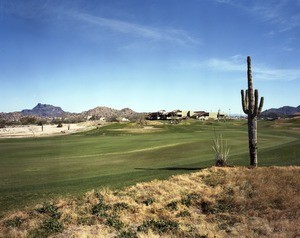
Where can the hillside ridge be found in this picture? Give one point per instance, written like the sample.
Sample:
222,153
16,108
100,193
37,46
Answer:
50,111
281,112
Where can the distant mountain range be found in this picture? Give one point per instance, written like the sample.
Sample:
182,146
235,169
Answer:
285,111
50,111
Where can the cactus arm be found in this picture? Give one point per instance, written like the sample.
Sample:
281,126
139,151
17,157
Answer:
255,112
261,104
244,101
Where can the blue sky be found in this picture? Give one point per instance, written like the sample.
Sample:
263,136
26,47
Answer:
147,55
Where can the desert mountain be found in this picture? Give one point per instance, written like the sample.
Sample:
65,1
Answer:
109,112
44,110
285,111
50,111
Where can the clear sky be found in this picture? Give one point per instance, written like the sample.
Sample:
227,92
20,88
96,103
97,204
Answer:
148,54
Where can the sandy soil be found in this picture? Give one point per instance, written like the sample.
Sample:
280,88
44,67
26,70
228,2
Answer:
48,130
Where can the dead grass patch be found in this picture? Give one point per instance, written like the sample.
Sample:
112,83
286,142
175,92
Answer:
215,202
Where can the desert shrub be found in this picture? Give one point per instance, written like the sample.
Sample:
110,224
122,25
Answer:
159,226
87,220
148,201
120,206
113,118
221,206
183,213
226,221
207,207
214,179
172,206
224,205
41,122
221,150
107,212
127,234
28,120
48,227
51,210
99,196
100,209
15,222
115,222
224,226
59,125
187,201
52,225
2,123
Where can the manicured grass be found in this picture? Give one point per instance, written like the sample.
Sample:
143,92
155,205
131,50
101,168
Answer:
35,169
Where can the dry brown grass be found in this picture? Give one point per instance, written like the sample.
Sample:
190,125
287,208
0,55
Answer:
215,202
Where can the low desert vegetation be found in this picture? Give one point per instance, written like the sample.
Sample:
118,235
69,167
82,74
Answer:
214,202
221,150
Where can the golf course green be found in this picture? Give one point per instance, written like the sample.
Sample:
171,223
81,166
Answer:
34,170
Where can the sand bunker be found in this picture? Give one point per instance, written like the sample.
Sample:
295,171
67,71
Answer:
47,130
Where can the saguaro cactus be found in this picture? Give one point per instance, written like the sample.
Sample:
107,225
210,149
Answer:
251,108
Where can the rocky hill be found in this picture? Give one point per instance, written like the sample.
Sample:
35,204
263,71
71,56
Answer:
44,110
109,113
285,111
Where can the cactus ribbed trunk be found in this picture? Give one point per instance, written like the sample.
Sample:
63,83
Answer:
251,108
252,134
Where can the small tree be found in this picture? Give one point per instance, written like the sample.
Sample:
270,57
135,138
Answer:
32,129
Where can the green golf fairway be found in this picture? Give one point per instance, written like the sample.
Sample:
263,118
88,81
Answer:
37,169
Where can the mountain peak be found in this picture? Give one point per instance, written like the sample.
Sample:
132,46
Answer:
45,110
